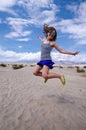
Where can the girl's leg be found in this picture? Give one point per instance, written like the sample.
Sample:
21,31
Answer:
37,70
45,72
49,75
54,75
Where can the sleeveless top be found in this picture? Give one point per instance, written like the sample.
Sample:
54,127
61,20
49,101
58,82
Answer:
45,51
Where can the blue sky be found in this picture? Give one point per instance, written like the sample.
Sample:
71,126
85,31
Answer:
21,22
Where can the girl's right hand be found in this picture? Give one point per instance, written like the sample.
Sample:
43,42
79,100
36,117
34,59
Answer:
40,37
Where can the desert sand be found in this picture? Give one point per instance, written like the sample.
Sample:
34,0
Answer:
27,103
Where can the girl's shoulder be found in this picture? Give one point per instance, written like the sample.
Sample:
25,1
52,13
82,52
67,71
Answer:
52,43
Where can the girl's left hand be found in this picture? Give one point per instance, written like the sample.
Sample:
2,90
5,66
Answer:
76,53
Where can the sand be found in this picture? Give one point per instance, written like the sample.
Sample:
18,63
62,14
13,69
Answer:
27,103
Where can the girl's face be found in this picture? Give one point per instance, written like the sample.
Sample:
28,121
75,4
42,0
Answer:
49,36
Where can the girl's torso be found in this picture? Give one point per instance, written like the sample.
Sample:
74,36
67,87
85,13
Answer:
46,50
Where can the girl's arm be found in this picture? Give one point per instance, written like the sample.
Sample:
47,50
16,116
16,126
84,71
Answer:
40,37
64,51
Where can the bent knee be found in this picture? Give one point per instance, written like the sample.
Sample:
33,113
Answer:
35,73
44,75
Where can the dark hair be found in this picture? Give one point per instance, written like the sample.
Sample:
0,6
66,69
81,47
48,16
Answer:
51,30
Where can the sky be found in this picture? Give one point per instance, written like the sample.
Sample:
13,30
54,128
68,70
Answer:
21,22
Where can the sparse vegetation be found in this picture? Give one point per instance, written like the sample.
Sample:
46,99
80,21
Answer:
70,67
17,66
80,70
3,65
61,67
84,67
32,65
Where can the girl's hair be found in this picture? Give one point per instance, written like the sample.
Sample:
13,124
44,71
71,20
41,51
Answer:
48,29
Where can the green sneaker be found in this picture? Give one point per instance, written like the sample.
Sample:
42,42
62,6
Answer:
45,80
63,80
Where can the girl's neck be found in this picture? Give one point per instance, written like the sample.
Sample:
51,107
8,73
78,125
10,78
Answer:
49,39
46,41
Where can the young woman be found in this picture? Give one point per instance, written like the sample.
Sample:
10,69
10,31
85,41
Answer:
46,63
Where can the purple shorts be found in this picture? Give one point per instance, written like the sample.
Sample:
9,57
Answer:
48,63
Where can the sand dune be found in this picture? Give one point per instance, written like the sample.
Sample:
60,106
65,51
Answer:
27,103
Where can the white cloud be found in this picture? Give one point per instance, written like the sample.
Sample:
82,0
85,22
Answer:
79,10
20,47
44,11
40,10
5,6
45,16
36,3
17,29
62,57
36,10
75,27
0,21
12,56
23,39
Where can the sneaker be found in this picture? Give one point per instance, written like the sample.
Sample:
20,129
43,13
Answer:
45,80
63,80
